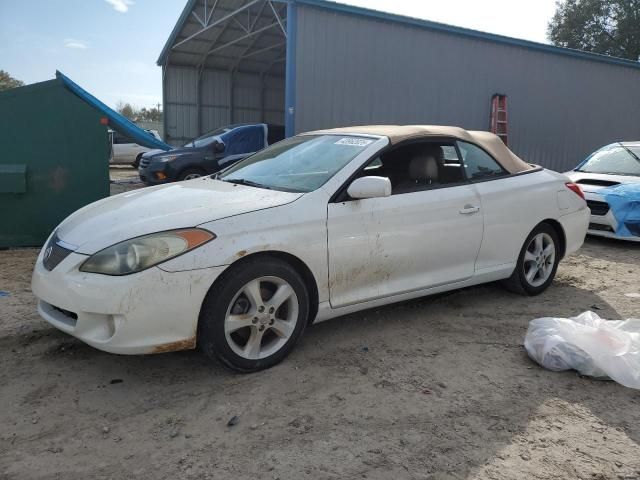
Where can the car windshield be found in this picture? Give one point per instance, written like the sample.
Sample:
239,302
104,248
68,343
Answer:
298,164
208,138
617,159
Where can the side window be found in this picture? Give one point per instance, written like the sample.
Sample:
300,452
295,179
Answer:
418,166
478,164
373,167
450,155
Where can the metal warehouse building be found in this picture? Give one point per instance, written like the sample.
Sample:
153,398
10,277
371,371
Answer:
314,64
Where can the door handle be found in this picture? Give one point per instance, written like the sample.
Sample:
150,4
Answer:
469,209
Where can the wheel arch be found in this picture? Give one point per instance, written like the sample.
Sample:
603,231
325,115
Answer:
557,226
190,166
300,266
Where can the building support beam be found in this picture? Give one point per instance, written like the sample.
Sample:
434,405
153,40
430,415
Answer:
200,21
245,53
263,79
213,9
243,37
199,100
280,22
218,22
231,89
203,59
290,75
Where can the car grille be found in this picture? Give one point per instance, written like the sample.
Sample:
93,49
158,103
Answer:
54,253
598,208
144,162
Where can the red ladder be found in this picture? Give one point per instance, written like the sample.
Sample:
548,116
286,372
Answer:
499,117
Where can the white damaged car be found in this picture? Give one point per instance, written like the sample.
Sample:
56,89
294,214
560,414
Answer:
317,226
611,166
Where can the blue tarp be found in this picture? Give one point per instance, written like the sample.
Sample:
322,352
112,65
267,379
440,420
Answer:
116,121
624,201
244,139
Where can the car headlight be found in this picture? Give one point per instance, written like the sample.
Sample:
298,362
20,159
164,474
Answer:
167,158
143,252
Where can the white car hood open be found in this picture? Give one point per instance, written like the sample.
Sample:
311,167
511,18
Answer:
165,207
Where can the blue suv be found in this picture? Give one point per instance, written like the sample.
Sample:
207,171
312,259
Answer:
207,154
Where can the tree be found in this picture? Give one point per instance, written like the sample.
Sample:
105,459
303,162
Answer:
150,115
609,27
7,81
139,115
126,110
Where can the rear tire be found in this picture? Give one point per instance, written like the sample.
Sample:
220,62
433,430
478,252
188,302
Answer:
537,263
254,314
190,174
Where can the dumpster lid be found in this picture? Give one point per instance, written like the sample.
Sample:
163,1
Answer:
116,121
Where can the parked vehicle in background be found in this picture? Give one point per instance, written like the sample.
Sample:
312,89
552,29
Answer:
124,151
208,153
615,164
317,226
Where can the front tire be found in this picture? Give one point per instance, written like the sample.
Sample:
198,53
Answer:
190,174
537,263
136,163
254,314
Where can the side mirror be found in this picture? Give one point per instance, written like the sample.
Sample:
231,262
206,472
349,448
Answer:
370,187
218,147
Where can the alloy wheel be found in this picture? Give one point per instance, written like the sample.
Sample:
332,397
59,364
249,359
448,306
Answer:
261,318
539,259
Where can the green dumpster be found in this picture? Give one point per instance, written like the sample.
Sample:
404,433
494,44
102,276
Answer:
54,159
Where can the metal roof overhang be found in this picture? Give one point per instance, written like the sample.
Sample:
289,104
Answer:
199,15
231,35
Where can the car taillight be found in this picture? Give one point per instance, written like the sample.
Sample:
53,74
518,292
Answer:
575,189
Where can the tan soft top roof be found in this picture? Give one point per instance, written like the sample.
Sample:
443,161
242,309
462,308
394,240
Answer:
399,133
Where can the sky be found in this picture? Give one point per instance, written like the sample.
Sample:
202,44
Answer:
110,47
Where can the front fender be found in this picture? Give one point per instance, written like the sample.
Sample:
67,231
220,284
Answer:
297,228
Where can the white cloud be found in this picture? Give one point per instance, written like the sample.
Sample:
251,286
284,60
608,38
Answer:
121,6
73,43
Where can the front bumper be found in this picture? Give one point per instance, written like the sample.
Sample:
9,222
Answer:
151,311
148,174
602,222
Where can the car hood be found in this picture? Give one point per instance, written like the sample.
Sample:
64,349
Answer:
155,151
165,207
593,182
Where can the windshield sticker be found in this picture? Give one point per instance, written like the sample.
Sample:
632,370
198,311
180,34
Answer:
354,142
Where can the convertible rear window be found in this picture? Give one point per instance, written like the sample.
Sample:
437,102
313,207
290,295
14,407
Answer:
478,164
298,164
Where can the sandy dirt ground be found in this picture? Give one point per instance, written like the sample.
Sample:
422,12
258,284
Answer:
123,178
436,388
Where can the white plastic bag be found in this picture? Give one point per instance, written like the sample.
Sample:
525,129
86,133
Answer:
589,344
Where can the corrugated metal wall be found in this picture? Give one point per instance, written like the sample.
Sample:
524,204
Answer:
356,70
181,120
254,100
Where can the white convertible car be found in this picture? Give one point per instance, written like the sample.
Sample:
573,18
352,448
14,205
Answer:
317,226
